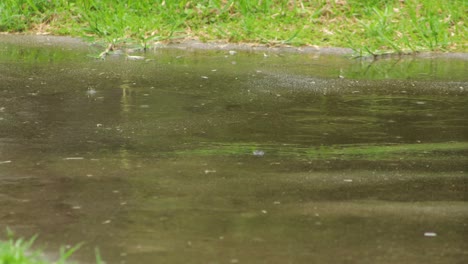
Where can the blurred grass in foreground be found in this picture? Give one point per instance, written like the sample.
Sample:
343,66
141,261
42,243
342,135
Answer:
19,251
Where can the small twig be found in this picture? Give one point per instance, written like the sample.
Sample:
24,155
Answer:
109,48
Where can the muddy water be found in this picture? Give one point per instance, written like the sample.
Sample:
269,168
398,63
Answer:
199,156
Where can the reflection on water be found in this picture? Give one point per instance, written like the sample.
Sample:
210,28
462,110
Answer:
208,157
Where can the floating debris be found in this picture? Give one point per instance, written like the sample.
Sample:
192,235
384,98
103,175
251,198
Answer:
106,222
5,162
135,57
232,52
210,171
74,158
258,153
430,234
204,77
348,180
91,92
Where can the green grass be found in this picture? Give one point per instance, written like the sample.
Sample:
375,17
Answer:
367,26
20,251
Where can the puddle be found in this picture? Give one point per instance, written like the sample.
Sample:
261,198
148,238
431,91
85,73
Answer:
199,156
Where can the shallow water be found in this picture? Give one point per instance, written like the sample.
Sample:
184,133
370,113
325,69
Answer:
192,156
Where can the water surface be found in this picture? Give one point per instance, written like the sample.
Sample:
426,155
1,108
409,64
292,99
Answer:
192,156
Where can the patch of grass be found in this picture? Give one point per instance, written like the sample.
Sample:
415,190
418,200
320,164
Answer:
408,26
19,251
368,27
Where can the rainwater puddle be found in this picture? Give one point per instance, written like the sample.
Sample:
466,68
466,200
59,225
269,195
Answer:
190,156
